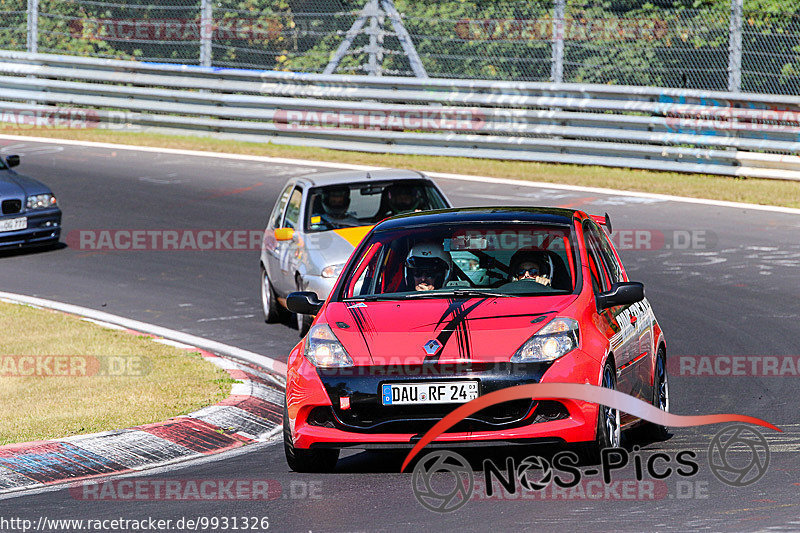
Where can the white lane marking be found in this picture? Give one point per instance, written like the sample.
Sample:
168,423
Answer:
107,325
24,149
10,301
207,344
162,181
174,344
443,175
233,317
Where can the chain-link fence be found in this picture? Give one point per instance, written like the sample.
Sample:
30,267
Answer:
749,45
13,24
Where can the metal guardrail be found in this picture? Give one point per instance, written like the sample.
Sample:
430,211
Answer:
734,134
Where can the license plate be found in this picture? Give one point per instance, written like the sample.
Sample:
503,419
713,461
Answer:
14,224
431,392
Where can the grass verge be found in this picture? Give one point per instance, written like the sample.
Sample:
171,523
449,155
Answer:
96,379
749,190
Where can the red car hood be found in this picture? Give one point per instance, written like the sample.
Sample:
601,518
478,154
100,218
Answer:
477,329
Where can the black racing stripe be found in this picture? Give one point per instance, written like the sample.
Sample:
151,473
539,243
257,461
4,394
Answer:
513,316
521,315
358,318
452,327
464,341
453,306
370,325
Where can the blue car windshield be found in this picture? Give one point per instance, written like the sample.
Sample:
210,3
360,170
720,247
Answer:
365,204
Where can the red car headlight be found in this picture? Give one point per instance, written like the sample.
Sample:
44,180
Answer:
559,337
324,350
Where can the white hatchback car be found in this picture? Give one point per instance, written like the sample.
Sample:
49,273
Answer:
320,218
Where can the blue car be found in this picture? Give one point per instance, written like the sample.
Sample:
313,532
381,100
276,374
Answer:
29,212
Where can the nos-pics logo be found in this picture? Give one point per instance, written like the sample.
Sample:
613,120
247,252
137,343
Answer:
443,481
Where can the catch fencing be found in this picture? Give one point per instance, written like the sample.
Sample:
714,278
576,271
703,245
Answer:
726,133
723,45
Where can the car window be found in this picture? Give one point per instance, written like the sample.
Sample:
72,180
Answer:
517,259
613,260
293,209
367,203
612,268
362,279
600,278
277,211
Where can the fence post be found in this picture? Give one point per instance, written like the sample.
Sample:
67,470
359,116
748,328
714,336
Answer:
557,66
375,34
735,47
33,26
206,32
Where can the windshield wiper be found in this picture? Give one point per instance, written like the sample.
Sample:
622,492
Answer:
480,292
429,294
370,298
456,292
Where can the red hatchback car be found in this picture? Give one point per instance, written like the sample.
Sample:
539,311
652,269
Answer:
436,308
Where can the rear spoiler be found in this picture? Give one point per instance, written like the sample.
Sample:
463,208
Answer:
603,221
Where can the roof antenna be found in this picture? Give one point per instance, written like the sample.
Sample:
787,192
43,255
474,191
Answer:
368,176
608,223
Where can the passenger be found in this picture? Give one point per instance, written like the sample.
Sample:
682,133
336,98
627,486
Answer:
400,198
529,265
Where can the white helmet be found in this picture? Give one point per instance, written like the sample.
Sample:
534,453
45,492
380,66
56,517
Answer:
428,257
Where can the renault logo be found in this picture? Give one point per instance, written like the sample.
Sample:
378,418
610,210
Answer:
432,346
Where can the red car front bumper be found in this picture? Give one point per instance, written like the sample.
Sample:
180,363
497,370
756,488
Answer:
342,408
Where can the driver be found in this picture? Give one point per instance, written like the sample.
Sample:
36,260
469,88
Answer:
403,198
335,202
400,198
528,265
427,266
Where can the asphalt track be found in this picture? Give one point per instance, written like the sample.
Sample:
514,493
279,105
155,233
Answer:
735,295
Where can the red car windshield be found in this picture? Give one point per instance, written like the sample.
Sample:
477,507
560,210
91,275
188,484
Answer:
493,259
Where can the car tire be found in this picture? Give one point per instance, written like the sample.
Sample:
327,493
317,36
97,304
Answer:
306,461
660,396
269,303
609,429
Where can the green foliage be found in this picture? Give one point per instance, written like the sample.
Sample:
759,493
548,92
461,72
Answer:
678,43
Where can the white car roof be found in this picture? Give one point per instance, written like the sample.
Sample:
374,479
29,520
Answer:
350,176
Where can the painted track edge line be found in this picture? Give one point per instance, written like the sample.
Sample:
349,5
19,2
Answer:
167,466
443,175
102,461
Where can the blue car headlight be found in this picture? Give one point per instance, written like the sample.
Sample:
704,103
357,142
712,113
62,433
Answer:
41,201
